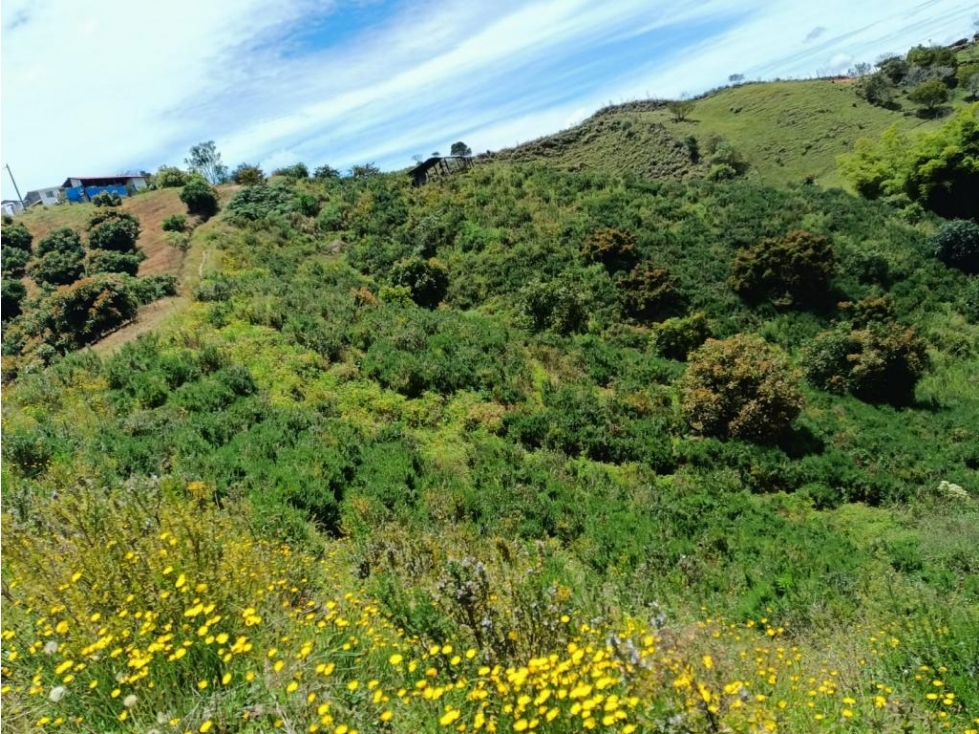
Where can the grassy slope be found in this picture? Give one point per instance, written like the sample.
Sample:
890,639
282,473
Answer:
786,130
613,143
151,208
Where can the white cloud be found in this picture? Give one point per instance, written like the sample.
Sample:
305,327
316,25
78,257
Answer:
116,85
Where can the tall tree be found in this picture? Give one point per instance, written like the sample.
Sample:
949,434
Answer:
205,159
460,148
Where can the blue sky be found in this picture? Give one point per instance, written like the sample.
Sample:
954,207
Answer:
112,85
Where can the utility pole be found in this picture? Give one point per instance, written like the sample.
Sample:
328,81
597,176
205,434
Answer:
10,173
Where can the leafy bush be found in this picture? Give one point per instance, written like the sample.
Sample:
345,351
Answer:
255,203
16,236
428,280
81,313
57,268
930,95
721,172
970,301
152,287
676,338
14,261
740,387
650,294
880,362
957,245
180,240
613,248
107,199
14,293
326,173
307,205
175,223
108,261
877,90
64,240
248,175
412,350
793,270
558,305
112,230
200,198
938,170
168,177
721,154
297,170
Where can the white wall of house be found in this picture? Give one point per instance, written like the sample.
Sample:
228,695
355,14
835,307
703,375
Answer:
138,183
11,207
49,196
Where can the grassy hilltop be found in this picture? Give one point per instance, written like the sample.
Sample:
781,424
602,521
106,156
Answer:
573,441
785,131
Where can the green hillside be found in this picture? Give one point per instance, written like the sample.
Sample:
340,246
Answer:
544,446
786,131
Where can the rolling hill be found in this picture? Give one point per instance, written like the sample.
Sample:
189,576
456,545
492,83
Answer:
581,439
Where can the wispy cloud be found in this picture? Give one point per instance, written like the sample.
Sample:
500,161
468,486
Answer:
118,85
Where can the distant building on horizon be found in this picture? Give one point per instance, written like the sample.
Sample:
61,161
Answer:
79,189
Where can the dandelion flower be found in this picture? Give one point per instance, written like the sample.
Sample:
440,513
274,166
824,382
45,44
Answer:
57,693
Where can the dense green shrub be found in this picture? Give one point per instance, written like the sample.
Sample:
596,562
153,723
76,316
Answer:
200,198
558,305
930,94
175,223
57,268
740,387
579,421
81,313
16,236
326,173
248,175
108,261
170,177
879,362
428,280
107,198
721,172
112,230
14,261
970,301
676,338
306,204
412,350
957,245
793,270
64,240
297,170
650,294
255,203
152,287
14,293
938,170
613,248
214,287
